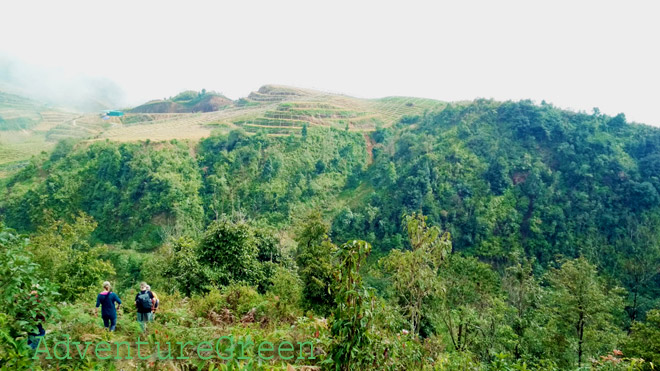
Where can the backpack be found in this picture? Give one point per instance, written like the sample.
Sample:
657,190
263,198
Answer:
144,301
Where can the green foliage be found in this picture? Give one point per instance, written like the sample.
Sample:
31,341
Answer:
271,178
644,340
288,290
352,319
519,186
14,353
314,260
183,268
135,192
582,313
413,274
233,251
523,295
66,257
186,96
229,251
26,299
471,308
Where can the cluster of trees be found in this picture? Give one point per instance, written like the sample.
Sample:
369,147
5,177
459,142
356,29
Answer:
501,234
141,194
135,192
519,178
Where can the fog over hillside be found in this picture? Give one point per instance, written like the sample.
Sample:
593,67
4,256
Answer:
59,88
576,55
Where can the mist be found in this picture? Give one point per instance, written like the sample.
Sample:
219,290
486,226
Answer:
59,88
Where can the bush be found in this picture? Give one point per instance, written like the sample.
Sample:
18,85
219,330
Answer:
287,291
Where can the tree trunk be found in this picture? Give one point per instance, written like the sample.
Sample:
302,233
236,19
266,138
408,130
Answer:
580,338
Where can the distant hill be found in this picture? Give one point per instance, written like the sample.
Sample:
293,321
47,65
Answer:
32,126
186,102
17,113
55,88
24,123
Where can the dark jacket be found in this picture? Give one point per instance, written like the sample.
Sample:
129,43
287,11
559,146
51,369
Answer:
107,301
151,296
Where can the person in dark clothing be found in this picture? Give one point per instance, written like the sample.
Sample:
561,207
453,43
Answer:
35,337
107,299
144,302
156,302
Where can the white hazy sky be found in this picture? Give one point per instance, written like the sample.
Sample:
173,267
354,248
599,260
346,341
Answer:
575,54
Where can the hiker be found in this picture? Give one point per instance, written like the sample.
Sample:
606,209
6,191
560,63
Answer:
144,302
156,302
35,337
107,299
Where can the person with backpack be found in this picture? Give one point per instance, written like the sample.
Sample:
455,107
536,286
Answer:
144,302
156,302
107,299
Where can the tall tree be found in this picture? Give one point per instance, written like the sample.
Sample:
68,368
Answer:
581,307
467,306
314,260
351,348
523,293
413,273
640,262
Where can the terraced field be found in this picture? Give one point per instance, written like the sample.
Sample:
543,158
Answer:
178,126
275,110
80,127
304,107
51,119
23,127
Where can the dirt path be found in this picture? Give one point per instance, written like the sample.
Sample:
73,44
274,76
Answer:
370,147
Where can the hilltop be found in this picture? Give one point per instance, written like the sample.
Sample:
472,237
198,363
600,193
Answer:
186,102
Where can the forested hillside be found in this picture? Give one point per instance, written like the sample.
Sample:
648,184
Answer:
485,235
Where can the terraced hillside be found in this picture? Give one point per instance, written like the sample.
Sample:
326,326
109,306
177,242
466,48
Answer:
276,110
23,127
273,109
18,113
298,107
81,127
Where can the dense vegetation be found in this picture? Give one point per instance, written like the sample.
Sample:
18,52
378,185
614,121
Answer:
487,235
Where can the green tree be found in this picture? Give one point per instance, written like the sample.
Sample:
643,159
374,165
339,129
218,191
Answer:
287,287
26,299
229,253
523,294
314,260
413,274
470,304
352,318
304,131
581,309
639,263
644,340
183,269
65,255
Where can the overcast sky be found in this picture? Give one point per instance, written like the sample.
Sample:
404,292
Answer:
574,54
